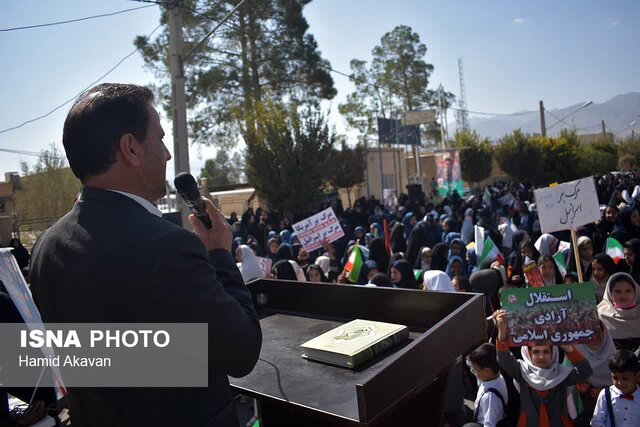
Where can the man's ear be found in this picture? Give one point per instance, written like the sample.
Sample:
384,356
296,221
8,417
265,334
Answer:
130,150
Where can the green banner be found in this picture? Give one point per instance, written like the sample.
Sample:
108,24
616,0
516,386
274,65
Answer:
558,314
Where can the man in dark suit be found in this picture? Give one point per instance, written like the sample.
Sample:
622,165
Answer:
113,258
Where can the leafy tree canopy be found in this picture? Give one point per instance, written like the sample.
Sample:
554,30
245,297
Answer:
264,46
396,80
288,154
476,155
222,169
347,167
48,187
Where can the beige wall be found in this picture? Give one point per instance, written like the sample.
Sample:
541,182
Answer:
595,137
372,174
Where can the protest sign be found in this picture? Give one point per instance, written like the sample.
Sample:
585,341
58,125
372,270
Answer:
265,265
449,172
321,226
507,199
567,206
558,314
389,197
16,287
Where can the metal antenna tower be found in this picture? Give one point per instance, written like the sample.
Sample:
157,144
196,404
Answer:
462,116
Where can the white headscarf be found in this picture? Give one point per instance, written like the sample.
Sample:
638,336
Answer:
436,280
323,262
467,226
506,231
547,244
249,268
299,272
599,360
539,378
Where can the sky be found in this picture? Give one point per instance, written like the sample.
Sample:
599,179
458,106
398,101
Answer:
515,54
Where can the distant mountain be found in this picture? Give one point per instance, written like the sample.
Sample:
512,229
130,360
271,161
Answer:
618,113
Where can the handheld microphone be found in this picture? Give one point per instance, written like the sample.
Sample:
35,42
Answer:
188,189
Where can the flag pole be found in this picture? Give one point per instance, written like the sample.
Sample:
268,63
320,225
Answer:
576,254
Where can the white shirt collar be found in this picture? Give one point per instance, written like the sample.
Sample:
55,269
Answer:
145,203
615,392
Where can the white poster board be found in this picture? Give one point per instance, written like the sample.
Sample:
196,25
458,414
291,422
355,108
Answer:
389,198
321,226
265,265
14,283
568,205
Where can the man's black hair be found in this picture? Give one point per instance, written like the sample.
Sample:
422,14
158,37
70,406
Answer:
485,357
624,361
97,121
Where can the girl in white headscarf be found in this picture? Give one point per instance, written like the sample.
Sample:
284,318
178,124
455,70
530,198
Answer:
619,310
547,244
436,280
249,267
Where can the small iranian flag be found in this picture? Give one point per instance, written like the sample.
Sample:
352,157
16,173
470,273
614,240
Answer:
613,248
559,259
490,251
354,264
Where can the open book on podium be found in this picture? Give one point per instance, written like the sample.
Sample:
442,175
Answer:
355,342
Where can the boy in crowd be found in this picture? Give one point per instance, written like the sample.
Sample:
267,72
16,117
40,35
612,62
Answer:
619,404
492,397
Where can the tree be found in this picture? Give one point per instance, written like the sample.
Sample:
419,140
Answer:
476,155
396,81
558,158
347,167
223,170
518,156
287,158
629,149
48,187
264,47
598,158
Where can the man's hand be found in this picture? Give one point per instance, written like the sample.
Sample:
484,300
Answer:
219,236
500,320
329,249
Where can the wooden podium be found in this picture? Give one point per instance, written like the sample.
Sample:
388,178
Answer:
400,387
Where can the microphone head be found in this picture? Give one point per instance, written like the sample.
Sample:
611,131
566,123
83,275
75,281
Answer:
186,183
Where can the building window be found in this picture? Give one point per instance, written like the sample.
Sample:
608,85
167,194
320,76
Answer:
388,181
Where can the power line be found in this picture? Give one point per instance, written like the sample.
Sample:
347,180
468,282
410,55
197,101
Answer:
50,24
28,153
452,108
79,93
558,120
190,54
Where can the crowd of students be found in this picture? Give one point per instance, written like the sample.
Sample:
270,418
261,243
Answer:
430,245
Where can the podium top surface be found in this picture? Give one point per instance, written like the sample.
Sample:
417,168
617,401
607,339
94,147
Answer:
442,326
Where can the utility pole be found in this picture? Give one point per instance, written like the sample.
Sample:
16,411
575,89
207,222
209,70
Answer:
397,175
543,126
441,107
366,163
178,100
604,131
